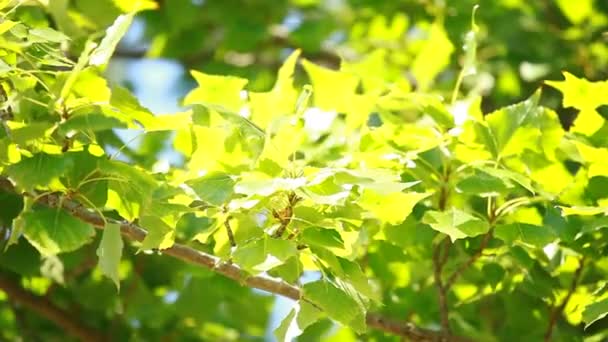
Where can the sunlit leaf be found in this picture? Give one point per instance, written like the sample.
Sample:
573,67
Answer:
433,57
101,55
39,170
218,90
47,34
456,223
215,188
392,208
336,303
160,235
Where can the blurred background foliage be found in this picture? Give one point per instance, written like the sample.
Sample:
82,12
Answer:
415,41
418,42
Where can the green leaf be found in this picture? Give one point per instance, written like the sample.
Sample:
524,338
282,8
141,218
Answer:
456,223
127,104
509,175
110,252
433,57
527,233
587,97
224,91
215,188
483,184
263,254
25,135
594,312
53,231
75,72
46,34
505,122
293,325
392,208
352,273
90,122
267,106
336,303
160,234
322,237
576,12
101,55
39,170
333,90
85,179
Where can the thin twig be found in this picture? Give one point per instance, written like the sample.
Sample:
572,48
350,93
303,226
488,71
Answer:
229,232
492,218
285,215
463,267
558,310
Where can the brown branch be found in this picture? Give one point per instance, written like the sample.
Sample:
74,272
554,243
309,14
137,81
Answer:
48,310
409,330
229,232
558,310
232,271
439,260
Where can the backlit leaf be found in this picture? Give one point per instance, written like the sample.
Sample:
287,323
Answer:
336,303
456,223
101,55
392,208
110,252
538,236
53,231
595,312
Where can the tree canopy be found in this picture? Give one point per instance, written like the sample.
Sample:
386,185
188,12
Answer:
344,170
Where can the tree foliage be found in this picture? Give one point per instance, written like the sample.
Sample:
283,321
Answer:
392,167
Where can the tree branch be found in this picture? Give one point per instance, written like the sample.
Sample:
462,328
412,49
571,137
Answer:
50,311
558,310
439,260
463,267
232,271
